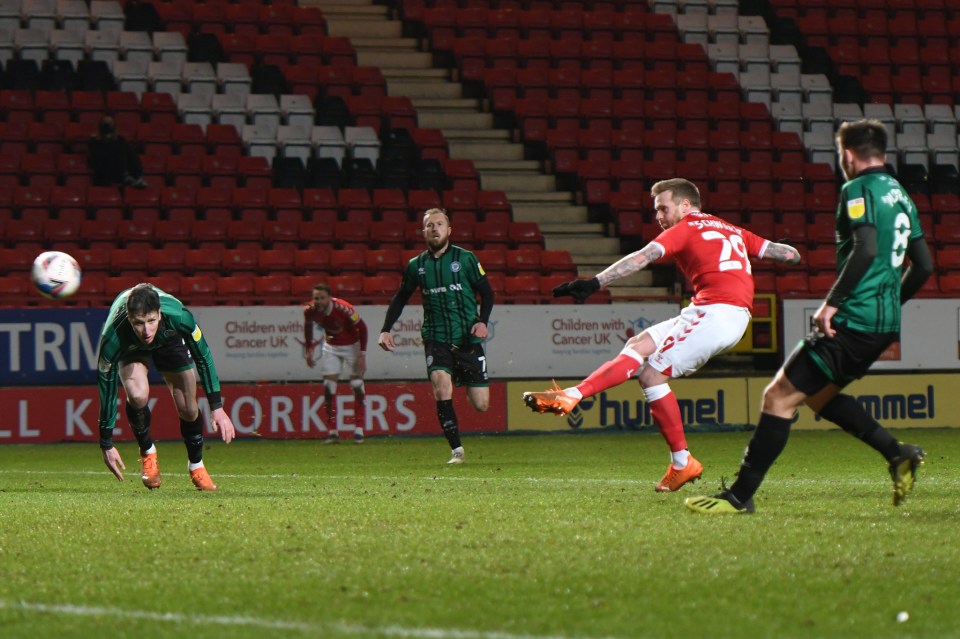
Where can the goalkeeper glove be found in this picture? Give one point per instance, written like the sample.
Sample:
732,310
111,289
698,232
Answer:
579,290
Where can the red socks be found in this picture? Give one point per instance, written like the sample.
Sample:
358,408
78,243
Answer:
612,373
666,414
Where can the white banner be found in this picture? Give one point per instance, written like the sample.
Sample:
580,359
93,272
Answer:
929,336
254,343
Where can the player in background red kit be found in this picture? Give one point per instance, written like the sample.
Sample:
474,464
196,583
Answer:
344,352
715,256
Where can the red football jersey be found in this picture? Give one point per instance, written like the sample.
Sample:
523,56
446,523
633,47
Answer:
342,325
715,256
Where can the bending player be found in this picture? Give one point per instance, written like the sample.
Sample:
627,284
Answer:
145,324
344,351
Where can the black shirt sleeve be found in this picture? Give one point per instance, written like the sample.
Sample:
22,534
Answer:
486,298
920,268
863,253
399,300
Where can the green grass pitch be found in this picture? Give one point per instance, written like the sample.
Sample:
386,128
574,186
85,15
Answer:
534,537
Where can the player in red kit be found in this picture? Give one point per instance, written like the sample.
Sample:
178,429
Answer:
715,256
344,353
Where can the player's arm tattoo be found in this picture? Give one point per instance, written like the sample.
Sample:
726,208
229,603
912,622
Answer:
781,253
630,264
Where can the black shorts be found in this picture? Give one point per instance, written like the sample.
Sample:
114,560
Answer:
844,358
466,364
172,356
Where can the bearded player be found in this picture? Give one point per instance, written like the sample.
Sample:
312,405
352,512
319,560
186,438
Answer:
147,325
344,352
714,255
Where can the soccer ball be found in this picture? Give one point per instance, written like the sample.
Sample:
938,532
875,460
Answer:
56,275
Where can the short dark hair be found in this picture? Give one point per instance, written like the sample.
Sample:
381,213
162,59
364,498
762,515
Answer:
866,138
142,299
322,287
682,190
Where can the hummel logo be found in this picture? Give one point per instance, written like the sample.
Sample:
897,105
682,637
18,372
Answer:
630,372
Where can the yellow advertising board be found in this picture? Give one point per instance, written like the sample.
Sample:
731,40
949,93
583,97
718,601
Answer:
724,403
896,401
705,403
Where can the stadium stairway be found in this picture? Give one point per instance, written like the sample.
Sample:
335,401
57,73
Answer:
470,131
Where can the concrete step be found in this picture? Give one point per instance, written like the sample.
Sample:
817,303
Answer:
395,59
539,198
351,26
512,166
485,150
544,215
627,294
583,245
353,8
477,135
447,104
641,278
567,228
454,120
374,43
416,88
595,261
422,75
510,182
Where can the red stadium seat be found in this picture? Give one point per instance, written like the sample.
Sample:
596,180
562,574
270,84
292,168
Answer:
169,259
312,261
383,260
522,289
234,289
346,286
271,261
272,288
379,289
205,261
240,260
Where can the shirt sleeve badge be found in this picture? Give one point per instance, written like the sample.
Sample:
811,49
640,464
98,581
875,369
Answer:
856,208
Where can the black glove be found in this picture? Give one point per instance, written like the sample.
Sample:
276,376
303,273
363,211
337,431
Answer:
579,290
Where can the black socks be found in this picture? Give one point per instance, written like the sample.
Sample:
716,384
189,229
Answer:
765,446
139,419
847,413
448,422
192,433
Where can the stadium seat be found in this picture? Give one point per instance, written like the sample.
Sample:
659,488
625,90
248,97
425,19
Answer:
274,288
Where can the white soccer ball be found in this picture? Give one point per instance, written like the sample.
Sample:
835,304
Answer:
56,275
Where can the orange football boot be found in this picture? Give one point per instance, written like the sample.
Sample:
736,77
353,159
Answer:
677,477
150,476
551,401
202,480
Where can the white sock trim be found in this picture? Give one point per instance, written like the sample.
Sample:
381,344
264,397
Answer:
629,352
653,393
191,466
680,458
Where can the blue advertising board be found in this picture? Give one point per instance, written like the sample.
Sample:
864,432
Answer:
49,346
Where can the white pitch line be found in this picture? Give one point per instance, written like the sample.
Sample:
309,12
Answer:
811,481
267,624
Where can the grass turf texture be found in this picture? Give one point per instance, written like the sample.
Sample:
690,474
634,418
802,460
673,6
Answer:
535,536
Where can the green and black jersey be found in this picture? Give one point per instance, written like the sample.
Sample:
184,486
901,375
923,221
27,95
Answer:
119,342
448,286
878,200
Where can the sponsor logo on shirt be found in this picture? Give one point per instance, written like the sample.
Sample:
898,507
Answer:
196,335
